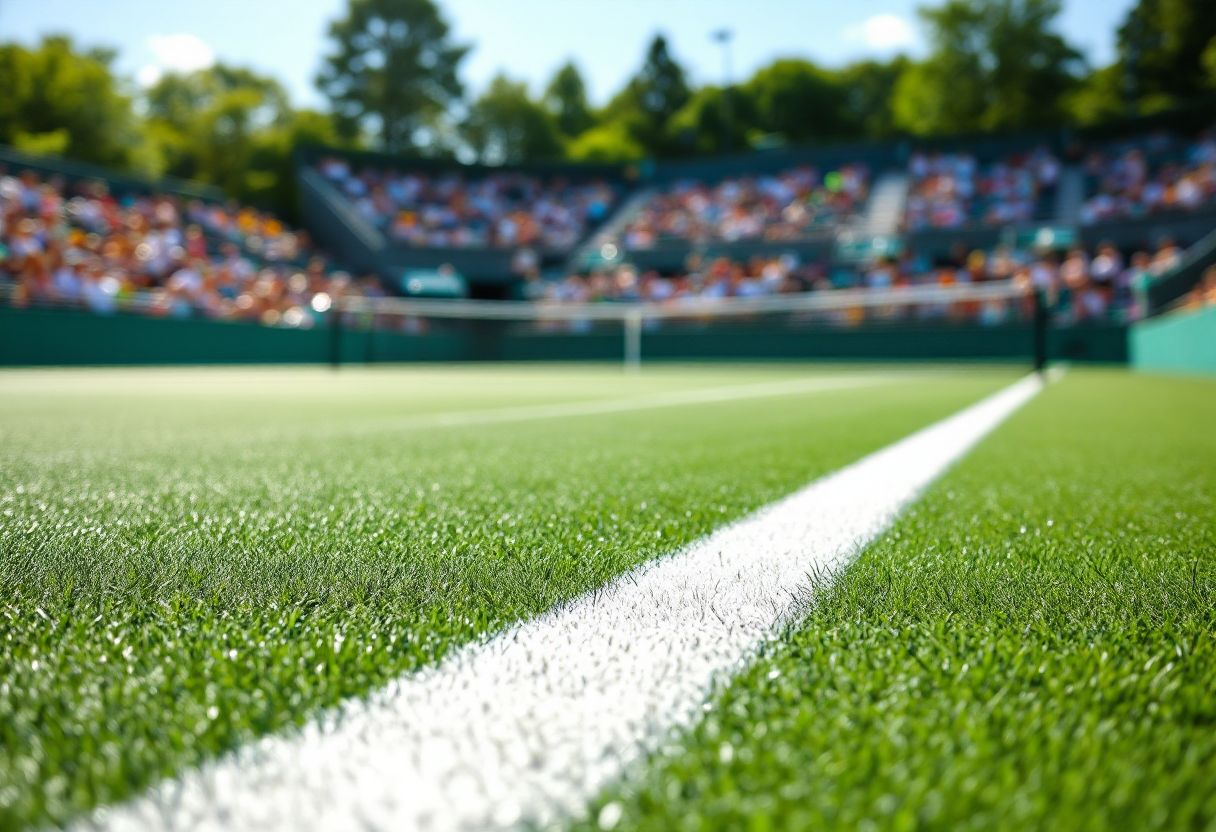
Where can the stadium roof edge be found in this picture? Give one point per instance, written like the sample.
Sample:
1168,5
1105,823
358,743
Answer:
86,170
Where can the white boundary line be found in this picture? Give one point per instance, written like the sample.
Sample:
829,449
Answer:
530,725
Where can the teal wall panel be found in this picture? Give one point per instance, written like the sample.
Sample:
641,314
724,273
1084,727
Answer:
1181,342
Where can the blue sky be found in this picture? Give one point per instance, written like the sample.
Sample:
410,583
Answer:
528,39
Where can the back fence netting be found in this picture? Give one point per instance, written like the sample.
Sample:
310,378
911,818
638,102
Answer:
991,320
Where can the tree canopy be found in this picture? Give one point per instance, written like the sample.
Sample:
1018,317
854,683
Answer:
651,98
566,99
393,74
506,126
392,80
994,65
57,98
1167,49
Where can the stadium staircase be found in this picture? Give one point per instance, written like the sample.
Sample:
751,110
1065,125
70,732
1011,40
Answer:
610,232
1070,194
886,208
337,225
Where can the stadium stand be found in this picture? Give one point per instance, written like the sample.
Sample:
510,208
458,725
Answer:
452,210
952,190
956,212
1153,174
86,243
787,205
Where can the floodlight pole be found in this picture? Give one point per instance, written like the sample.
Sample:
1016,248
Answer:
723,36
633,340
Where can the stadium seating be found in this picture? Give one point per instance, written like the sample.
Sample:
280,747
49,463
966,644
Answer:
452,210
953,190
83,243
745,227
1153,174
786,205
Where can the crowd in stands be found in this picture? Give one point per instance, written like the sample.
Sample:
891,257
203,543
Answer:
1082,285
1204,294
952,190
702,278
1157,174
451,210
81,245
781,206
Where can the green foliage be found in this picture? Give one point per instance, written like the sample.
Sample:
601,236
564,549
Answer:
58,98
1162,45
800,101
699,126
611,142
210,122
193,559
393,73
505,126
54,143
869,88
231,127
651,98
392,79
1032,647
1099,98
995,65
566,99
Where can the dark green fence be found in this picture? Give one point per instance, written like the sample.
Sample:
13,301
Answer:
33,337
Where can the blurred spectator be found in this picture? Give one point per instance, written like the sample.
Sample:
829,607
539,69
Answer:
159,255
1204,294
1150,176
782,206
449,210
950,190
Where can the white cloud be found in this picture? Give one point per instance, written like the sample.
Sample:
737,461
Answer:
174,53
883,32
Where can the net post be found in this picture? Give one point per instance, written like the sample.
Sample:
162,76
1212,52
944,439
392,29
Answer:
1040,330
633,340
335,335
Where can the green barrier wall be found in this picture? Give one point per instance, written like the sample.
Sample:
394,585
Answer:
31,337
1182,342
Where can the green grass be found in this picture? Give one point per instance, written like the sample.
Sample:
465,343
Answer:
1030,648
191,559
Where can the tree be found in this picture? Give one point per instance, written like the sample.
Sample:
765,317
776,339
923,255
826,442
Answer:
505,126
647,103
566,99
870,86
994,65
393,72
609,142
271,176
209,122
698,127
1099,97
1162,44
57,98
800,101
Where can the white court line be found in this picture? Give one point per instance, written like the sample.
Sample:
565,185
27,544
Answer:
527,727
596,407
